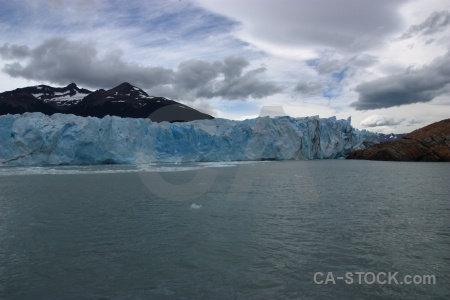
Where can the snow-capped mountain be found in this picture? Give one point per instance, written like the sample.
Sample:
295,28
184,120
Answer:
60,98
125,100
390,137
41,98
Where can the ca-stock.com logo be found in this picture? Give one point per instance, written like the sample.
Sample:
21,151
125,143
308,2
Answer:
197,178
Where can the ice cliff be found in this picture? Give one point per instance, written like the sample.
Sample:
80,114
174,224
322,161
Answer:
36,139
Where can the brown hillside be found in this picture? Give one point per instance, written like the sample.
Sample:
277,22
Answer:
430,143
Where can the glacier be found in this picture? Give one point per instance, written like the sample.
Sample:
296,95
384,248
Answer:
35,139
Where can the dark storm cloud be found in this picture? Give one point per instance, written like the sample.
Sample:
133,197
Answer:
436,22
62,61
233,66
239,88
413,86
14,51
225,79
193,74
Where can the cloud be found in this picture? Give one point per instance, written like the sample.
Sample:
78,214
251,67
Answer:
148,32
297,24
378,120
333,70
223,79
193,74
233,67
328,66
412,86
362,60
308,87
237,87
62,61
14,51
436,22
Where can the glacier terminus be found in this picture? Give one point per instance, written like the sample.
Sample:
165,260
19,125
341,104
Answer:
35,139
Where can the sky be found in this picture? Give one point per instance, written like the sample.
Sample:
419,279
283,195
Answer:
385,63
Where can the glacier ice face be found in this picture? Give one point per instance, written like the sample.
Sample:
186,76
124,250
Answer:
35,139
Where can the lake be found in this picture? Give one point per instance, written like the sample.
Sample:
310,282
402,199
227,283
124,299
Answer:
262,230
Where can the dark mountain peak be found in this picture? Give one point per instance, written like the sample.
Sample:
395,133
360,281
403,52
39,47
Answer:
125,86
58,98
72,86
73,89
127,90
124,100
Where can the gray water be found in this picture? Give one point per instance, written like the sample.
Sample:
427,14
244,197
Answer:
224,231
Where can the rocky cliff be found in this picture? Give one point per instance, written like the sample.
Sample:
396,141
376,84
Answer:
430,143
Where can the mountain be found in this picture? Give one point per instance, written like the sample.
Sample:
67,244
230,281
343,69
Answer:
36,139
125,100
41,98
430,143
390,137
